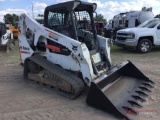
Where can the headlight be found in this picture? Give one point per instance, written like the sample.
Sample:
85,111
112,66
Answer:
130,36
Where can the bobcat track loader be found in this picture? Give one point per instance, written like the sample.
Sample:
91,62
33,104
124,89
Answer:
6,39
67,57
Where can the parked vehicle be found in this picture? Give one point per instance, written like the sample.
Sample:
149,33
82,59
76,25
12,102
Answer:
100,27
141,38
14,30
86,25
127,20
6,39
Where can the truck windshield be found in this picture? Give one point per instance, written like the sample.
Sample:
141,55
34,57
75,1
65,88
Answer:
149,24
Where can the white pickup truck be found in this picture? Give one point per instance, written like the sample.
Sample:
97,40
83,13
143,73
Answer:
140,38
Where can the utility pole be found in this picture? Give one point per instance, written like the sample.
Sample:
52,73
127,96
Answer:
32,12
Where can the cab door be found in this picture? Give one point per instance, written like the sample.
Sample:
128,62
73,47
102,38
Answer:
0,30
158,34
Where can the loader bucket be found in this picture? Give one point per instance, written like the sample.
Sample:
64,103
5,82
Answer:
120,91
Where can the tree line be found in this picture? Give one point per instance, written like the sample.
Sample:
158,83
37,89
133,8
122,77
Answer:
157,16
13,18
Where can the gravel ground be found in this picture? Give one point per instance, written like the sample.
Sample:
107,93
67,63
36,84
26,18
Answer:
20,100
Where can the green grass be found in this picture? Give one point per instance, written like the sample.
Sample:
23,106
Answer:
114,48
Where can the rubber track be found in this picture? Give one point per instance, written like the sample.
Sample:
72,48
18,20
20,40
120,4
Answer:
76,83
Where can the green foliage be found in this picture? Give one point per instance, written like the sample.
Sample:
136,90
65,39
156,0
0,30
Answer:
100,17
40,15
157,16
11,19
41,18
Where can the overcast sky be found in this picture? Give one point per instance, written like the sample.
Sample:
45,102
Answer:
106,7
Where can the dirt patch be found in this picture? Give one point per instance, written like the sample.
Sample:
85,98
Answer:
22,100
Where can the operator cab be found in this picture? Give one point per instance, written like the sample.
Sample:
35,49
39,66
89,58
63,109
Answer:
73,19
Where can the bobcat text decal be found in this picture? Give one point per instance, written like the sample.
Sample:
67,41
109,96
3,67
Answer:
24,50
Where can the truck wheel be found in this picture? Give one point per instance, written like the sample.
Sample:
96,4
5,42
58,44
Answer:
144,46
